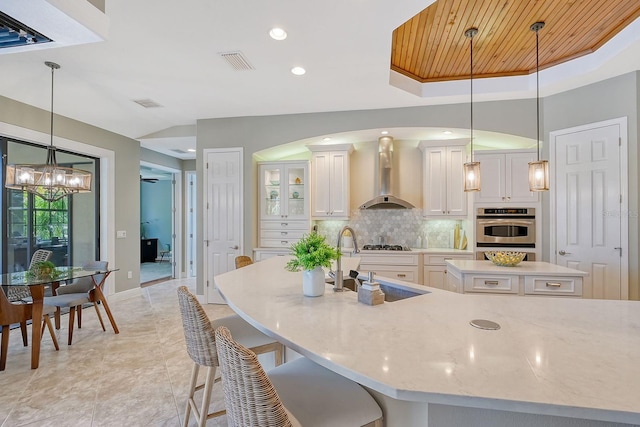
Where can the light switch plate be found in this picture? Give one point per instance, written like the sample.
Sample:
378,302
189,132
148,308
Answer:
121,234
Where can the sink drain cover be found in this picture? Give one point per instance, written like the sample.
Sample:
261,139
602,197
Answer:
484,324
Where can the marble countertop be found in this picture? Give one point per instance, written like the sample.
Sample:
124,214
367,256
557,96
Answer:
529,268
567,357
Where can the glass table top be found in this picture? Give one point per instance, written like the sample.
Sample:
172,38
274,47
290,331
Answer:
27,278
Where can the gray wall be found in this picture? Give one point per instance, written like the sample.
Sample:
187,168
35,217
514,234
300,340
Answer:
609,99
257,133
127,167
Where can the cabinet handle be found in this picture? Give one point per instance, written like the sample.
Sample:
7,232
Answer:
447,258
284,224
553,284
402,275
283,242
283,233
443,211
491,282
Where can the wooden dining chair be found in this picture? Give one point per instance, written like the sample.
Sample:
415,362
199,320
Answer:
243,261
11,313
75,295
298,393
200,339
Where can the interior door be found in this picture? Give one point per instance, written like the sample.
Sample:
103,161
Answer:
223,215
588,208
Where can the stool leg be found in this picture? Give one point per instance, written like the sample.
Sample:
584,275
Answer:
192,390
206,396
72,315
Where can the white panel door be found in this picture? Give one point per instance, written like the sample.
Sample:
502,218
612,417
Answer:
435,175
320,185
339,183
588,208
456,197
223,215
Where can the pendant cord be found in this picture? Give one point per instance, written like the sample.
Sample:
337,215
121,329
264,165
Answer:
538,94
471,83
52,70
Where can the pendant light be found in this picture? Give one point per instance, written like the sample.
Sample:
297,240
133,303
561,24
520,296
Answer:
471,169
538,170
48,181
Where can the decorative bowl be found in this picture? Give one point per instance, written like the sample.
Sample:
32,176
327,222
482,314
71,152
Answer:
275,182
505,258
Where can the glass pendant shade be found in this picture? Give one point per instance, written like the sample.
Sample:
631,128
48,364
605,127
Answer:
539,175
472,176
48,181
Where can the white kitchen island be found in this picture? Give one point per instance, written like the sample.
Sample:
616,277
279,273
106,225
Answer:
527,278
553,362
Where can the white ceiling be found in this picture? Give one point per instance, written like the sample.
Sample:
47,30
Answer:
168,52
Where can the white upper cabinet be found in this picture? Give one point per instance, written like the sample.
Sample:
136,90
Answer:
443,176
505,177
284,190
330,181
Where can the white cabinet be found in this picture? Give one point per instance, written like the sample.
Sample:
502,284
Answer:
443,178
505,176
262,254
330,181
284,203
435,268
402,266
284,190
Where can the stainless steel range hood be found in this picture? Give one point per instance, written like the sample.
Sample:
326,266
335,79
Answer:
385,163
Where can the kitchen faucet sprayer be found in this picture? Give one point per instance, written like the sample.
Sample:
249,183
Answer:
338,285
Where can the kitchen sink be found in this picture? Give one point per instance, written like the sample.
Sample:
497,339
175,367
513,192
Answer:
391,293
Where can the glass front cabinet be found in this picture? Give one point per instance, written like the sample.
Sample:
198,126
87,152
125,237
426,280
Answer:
284,190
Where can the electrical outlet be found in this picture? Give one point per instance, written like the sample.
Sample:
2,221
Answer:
121,234
129,274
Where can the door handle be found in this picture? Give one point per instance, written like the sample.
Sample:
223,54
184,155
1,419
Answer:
562,252
234,247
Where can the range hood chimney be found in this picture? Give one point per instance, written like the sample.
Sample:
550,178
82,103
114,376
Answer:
385,162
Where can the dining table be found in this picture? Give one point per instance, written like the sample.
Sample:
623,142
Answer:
58,277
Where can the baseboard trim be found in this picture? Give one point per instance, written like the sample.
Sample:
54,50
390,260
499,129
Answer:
124,295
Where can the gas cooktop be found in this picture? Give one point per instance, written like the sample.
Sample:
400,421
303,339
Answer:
384,248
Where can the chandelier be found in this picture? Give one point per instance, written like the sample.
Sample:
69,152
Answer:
48,181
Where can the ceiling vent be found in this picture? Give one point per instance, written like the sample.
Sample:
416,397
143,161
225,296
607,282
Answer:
237,61
147,103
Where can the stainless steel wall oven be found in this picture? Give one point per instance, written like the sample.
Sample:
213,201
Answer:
506,227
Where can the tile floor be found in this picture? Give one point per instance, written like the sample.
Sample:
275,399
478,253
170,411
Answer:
136,378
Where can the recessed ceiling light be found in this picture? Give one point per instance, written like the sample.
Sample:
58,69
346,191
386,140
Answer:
326,138
278,34
447,132
298,71
385,132
191,150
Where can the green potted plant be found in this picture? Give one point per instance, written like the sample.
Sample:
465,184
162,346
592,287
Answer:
310,254
42,270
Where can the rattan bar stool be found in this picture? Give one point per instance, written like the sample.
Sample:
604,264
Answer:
298,393
200,339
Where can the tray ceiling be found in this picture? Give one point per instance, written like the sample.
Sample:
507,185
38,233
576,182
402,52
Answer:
432,47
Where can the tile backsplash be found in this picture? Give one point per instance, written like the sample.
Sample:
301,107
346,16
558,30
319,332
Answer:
396,226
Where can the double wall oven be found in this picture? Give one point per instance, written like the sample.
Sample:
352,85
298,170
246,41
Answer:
506,229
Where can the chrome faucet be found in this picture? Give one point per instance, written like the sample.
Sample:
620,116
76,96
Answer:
339,282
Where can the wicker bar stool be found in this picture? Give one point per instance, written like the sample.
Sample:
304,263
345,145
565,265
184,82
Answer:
298,393
243,261
200,339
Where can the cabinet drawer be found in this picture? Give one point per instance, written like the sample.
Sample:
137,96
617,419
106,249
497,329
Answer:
262,255
539,285
285,225
408,274
440,259
492,284
281,234
277,243
386,259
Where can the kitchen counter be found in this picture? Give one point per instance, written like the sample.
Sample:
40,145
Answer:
536,268
420,357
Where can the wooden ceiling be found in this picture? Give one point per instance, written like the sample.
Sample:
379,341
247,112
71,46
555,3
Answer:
432,46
